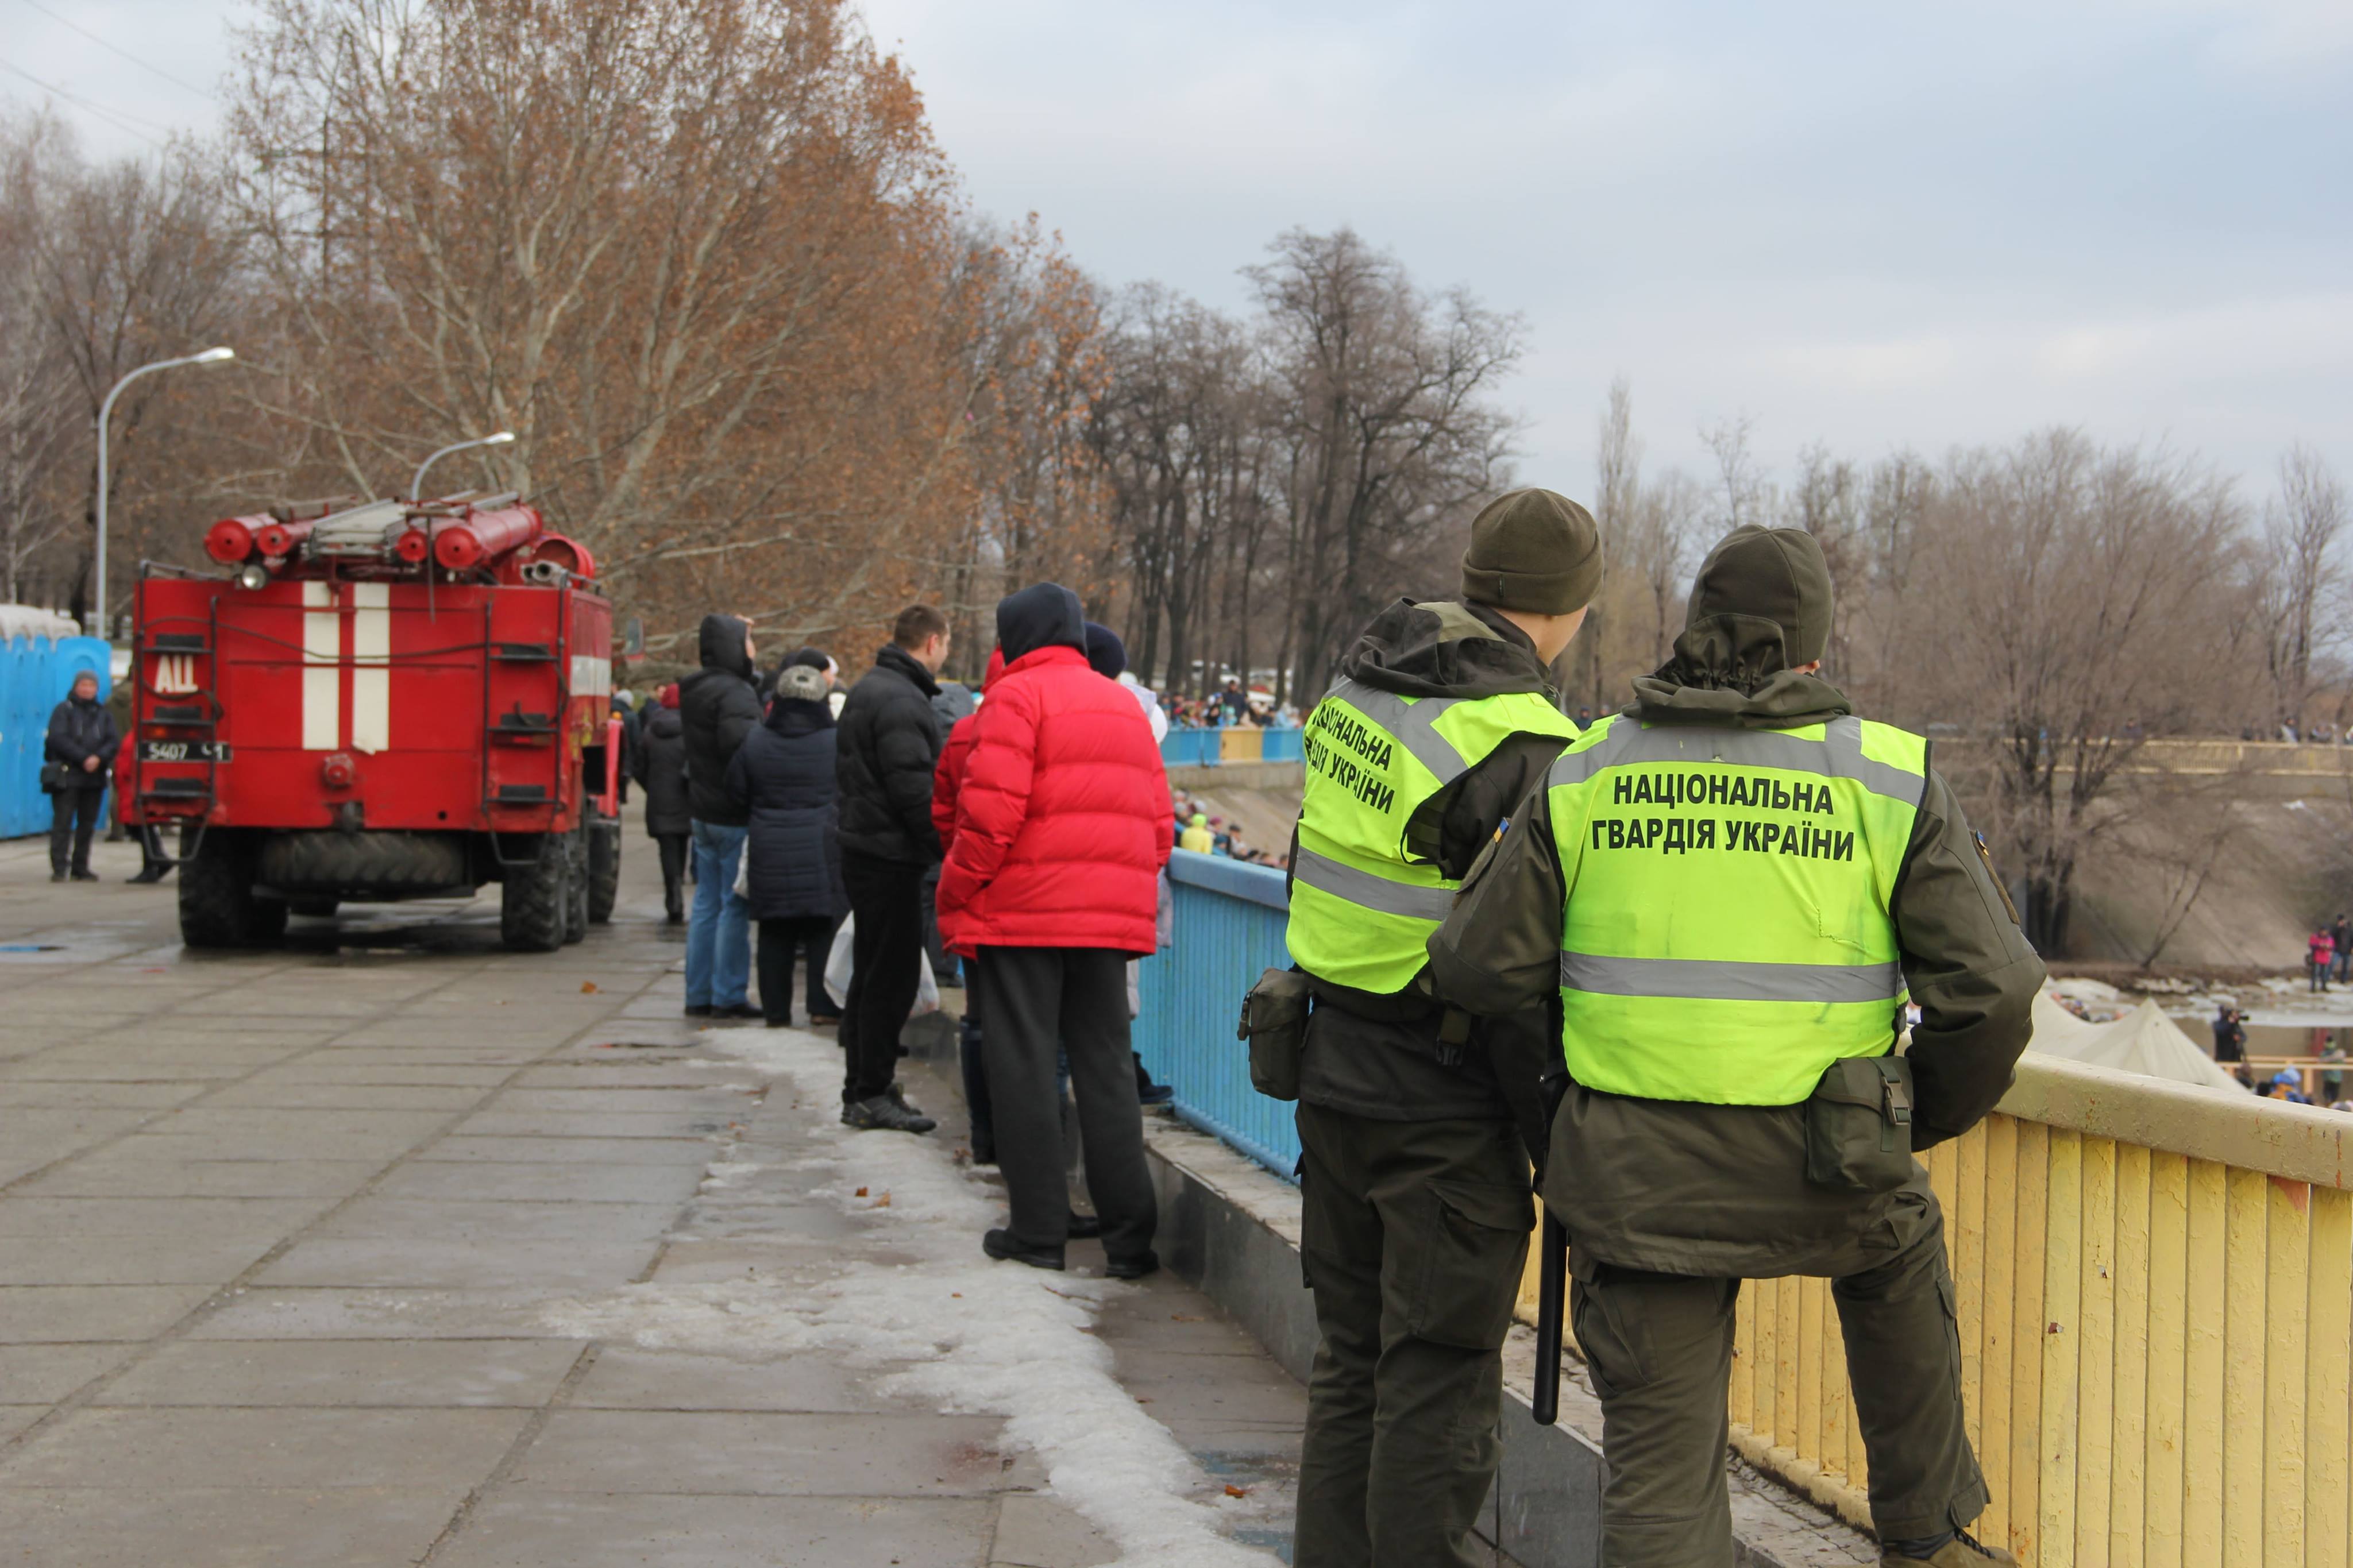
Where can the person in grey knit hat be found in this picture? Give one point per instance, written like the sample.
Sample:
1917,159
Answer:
1415,1183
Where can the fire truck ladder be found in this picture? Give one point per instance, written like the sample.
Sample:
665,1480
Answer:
516,727
202,714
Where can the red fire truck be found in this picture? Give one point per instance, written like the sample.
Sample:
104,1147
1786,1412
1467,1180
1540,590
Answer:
380,700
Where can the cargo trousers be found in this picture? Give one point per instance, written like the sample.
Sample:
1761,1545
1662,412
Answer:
1659,1347
1413,1237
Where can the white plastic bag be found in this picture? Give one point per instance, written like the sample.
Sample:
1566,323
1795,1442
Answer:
837,967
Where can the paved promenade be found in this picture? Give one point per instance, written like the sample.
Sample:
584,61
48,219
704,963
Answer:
390,1247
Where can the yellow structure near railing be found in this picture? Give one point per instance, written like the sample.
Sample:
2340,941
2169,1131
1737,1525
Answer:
2154,1294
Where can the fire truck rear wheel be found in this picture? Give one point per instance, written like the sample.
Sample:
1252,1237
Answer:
218,908
532,899
575,905
603,868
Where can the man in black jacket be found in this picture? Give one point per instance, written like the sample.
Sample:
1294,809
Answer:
887,746
658,763
719,708
80,749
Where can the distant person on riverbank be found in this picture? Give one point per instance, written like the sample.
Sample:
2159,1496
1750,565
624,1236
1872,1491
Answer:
2229,1034
2320,952
2341,932
2332,1081
75,756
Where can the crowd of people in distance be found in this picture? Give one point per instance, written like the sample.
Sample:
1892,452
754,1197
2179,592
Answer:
1205,834
1230,705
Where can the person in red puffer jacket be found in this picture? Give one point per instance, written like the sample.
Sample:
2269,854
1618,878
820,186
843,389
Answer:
1051,879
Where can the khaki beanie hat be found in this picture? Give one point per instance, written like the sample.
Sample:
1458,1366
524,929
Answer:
1775,574
1532,551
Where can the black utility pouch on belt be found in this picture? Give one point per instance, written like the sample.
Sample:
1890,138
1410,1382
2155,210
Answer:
1274,1022
1859,1125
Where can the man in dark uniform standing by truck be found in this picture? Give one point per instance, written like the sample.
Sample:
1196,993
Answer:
1729,892
1415,1180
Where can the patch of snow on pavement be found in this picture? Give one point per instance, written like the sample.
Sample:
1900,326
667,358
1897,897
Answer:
955,1329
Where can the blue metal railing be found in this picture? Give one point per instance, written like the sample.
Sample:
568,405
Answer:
1230,922
1234,743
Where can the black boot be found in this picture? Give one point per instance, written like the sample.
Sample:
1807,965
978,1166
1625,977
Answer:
884,1114
1004,1246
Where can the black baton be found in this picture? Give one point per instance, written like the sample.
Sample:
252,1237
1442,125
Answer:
1551,1285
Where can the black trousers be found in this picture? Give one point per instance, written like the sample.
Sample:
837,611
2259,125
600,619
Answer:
1412,1235
1036,1000
972,1058
672,846
73,818
886,897
783,940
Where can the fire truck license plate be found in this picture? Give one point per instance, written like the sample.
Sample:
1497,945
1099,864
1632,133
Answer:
183,750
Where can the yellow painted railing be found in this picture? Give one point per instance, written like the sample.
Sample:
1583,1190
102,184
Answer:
2154,1288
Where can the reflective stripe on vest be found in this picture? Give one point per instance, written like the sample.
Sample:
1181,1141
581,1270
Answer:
1726,934
1361,913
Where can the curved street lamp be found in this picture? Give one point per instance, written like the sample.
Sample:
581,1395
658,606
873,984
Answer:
416,485
105,413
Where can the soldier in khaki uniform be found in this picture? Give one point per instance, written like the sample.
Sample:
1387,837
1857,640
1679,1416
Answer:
1727,893
1414,1180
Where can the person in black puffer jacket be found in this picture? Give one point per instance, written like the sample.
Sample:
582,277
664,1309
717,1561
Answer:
783,777
719,707
889,745
658,765
81,743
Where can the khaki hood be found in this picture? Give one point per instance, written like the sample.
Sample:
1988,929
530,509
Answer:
1441,648
1729,669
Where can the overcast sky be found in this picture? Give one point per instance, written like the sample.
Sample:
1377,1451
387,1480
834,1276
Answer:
1865,223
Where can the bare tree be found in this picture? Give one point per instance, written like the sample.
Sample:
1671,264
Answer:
2301,525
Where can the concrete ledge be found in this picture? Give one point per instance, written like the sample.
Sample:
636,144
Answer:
1229,1227
2296,1143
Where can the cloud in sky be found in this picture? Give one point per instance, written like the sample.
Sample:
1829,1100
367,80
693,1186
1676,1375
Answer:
1871,226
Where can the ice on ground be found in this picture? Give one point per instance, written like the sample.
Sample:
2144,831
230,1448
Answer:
953,1329
2087,990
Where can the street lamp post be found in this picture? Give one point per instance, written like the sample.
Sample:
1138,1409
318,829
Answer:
416,485
106,413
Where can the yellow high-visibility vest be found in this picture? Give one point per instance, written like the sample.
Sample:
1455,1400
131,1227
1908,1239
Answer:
1728,933
1361,913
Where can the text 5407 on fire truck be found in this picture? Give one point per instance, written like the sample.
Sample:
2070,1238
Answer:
384,699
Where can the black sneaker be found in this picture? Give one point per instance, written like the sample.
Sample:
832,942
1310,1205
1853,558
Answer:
736,1010
1004,1246
883,1114
899,1099
1086,1226
150,874
57,876
1135,1268
698,1009
85,877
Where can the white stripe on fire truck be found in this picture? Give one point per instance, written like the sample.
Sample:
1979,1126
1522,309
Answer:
371,674
322,679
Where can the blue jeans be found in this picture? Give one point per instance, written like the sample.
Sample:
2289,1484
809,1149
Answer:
718,926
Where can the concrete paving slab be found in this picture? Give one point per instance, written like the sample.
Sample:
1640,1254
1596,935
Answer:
772,1455
236,1528
582,1124
546,1180
349,1067
1229,1392
135,1448
14,1418
128,1259
216,1217
555,1530
622,1099
625,1378
18,1094
58,1314
377,1312
106,1174
275,1095
43,1374
447,1219
233,1124
1043,1532
420,1263
347,1374
521,1149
